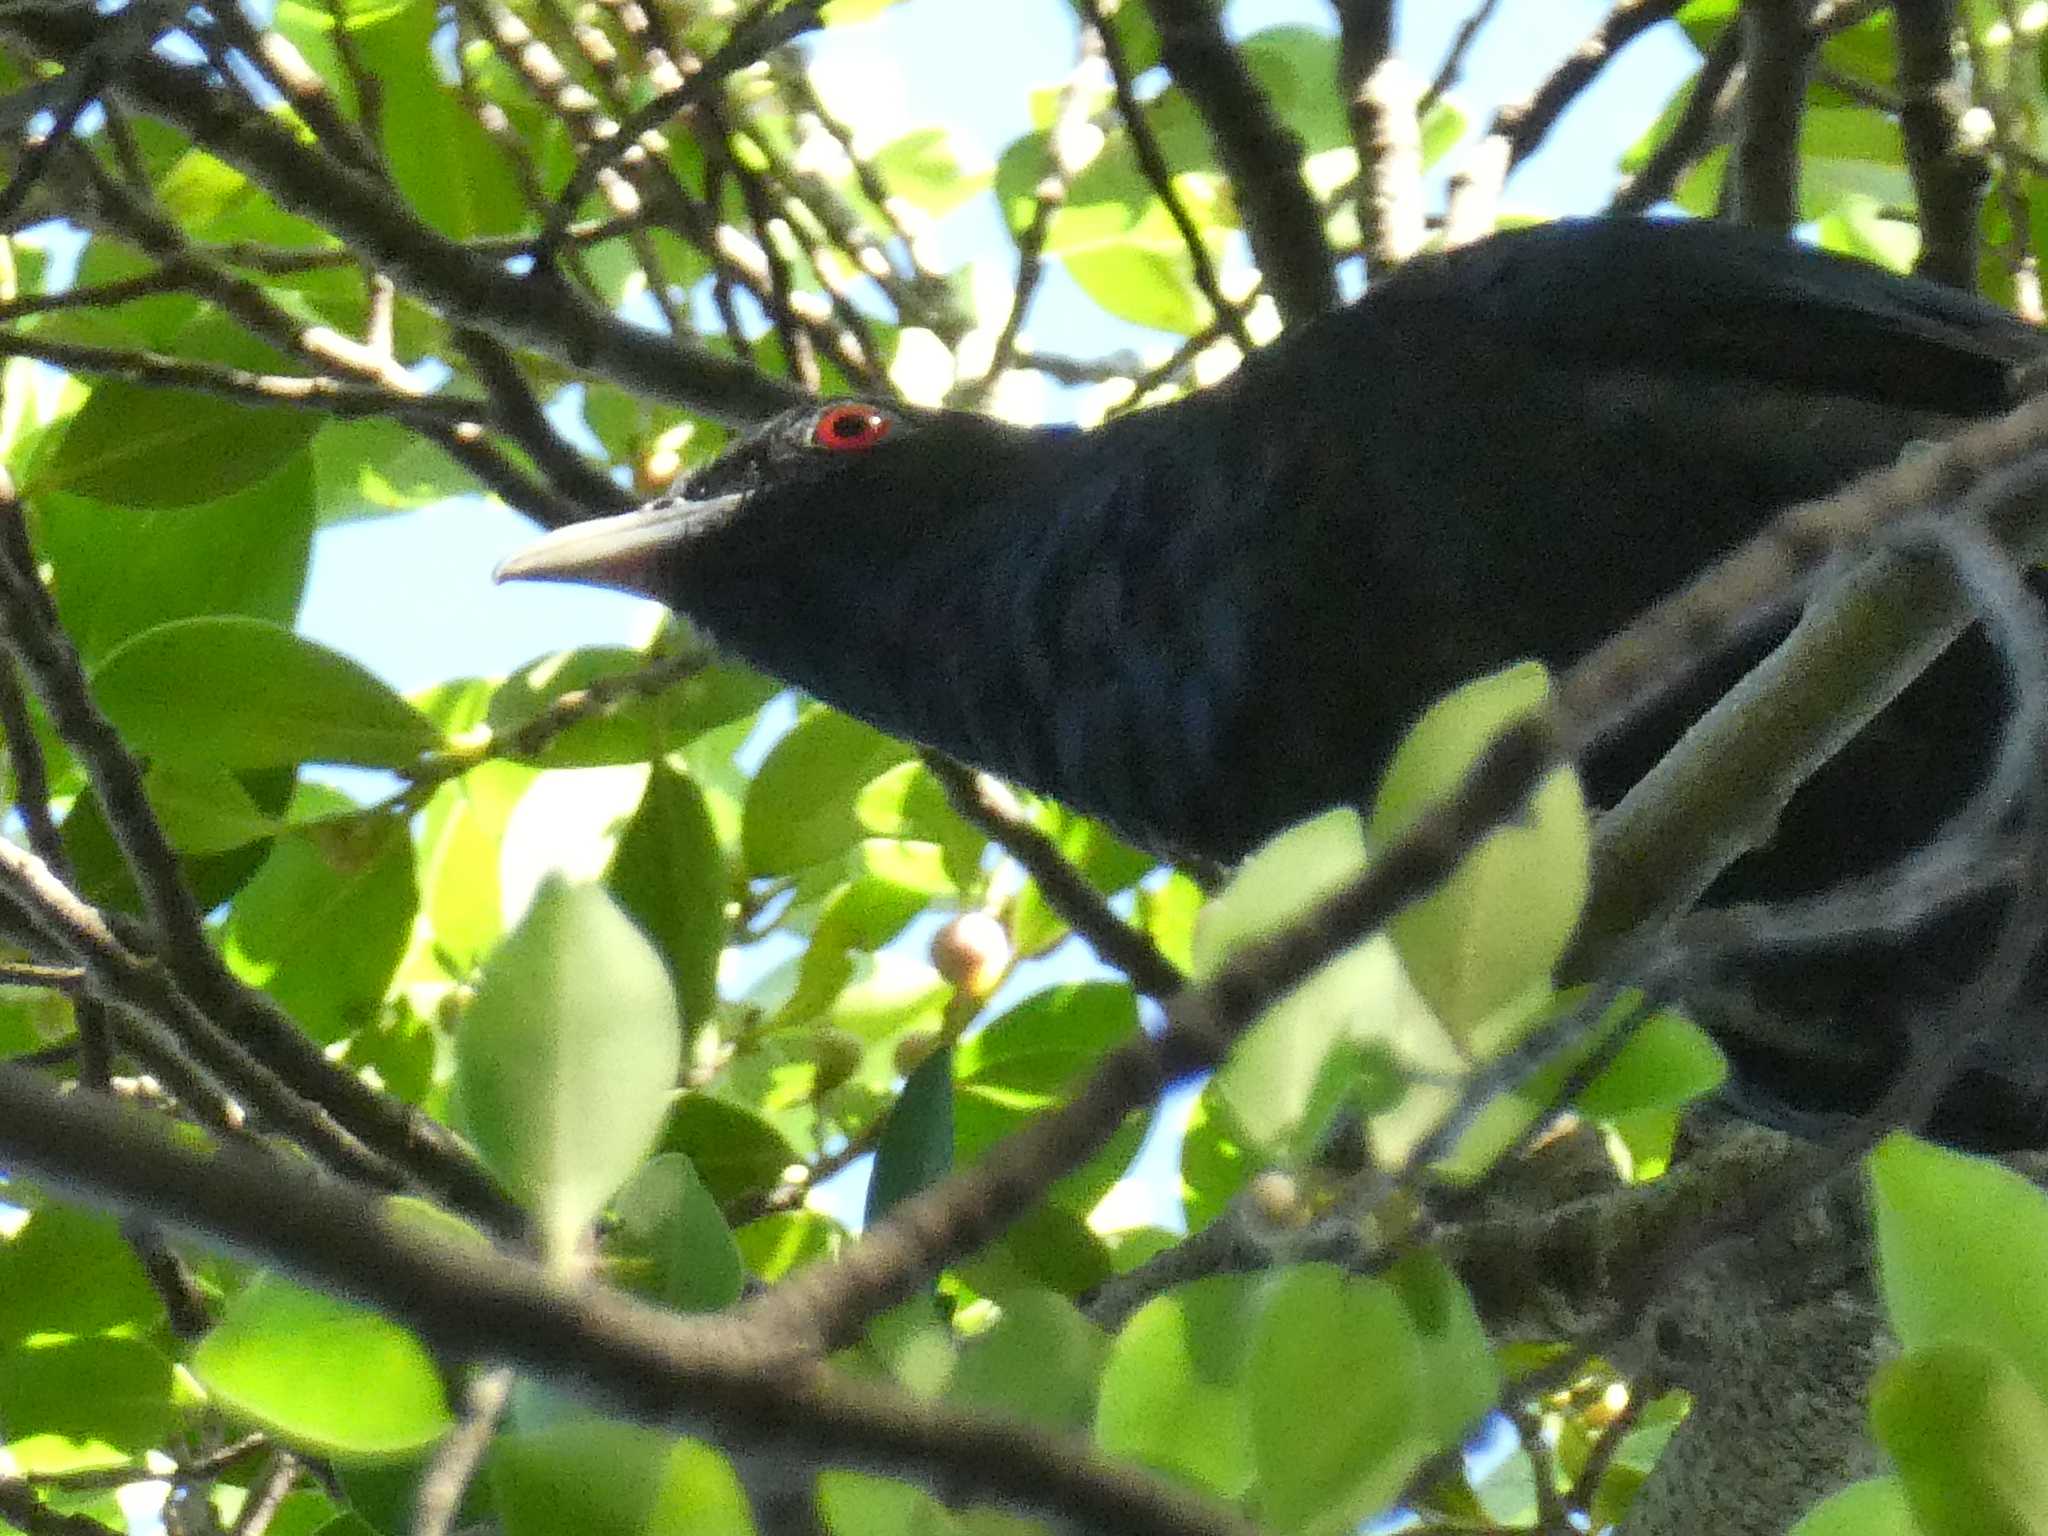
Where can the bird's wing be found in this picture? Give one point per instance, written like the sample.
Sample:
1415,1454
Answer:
1700,296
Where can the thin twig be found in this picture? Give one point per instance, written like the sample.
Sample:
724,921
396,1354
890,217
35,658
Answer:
1152,162
1261,155
984,803
437,1501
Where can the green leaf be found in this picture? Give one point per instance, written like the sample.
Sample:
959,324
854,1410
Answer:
925,167
1144,280
916,1147
1952,1232
70,1405
460,842
1668,1062
1110,864
67,1273
1034,1057
144,446
445,165
1024,163
1213,1165
1291,1072
1335,1389
906,803
102,873
1134,28
779,1244
1850,153
1463,1380
1039,1363
243,693
854,1504
669,874
568,1058
382,1496
1172,1393
118,571
1296,67
801,808
373,466
633,729
205,809
1052,1248
327,1375
402,1048
1444,127
734,1150
213,200
1969,1437
1876,1506
669,1240
619,1479
323,924
1494,930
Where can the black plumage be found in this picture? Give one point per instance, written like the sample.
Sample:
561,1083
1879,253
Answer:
1206,621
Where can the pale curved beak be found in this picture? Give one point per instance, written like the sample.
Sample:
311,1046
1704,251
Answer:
623,551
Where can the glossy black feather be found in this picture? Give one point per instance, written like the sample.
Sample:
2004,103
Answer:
1206,621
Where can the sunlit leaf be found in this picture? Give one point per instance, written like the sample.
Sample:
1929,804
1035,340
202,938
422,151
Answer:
569,1056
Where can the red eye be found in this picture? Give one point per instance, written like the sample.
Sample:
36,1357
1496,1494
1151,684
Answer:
850,428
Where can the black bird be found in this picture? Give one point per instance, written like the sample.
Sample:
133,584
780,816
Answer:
1206,621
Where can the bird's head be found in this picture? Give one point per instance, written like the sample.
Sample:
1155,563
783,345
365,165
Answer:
828,492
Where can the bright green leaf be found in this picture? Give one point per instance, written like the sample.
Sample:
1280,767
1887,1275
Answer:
1033,1057
568,1057
1142,281
204,808
1172,1393
669,874
927,169
325,1374
1876,1506
1039,1363
801,808
618,1479
69,1405
1952,1232
1494,930
323,923
146,447
785,1241
445,165
1462,1379
1335,1390
1969,1437
119,571
669,1241
1668,1061
242,693
66,1272
372,466
1303,1060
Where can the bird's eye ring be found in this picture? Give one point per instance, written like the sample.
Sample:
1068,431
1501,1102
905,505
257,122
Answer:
850,428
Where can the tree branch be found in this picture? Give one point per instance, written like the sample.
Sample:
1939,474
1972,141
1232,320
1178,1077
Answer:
625,1357
468,288
1259,153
